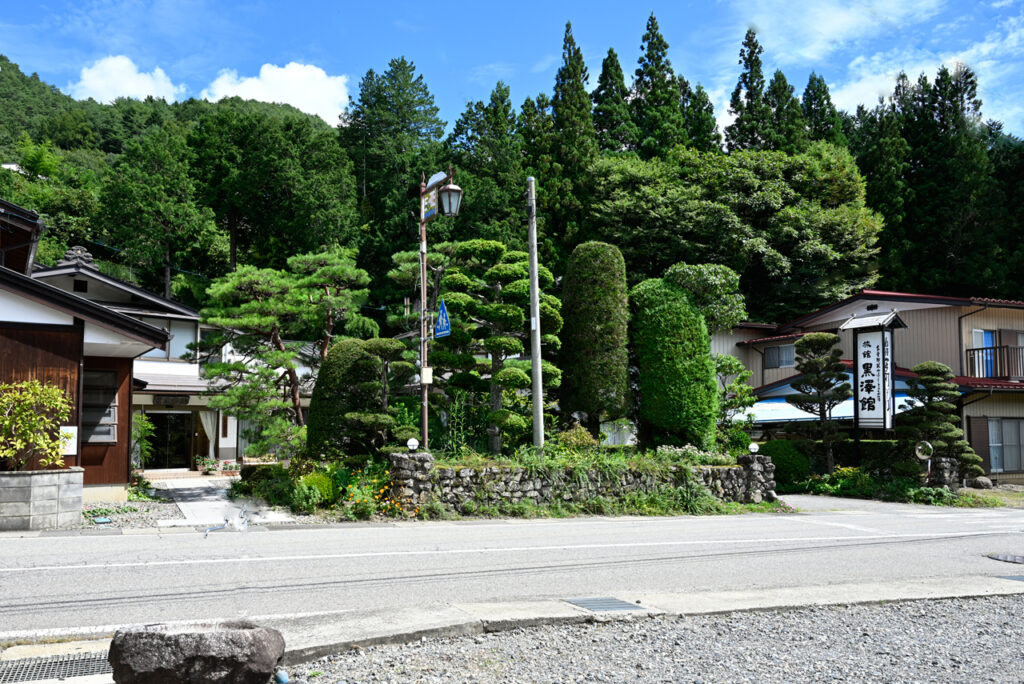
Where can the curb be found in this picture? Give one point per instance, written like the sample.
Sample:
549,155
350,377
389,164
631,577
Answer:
316,635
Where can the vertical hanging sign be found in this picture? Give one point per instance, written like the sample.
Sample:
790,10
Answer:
873,379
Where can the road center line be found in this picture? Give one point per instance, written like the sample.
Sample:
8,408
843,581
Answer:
498,550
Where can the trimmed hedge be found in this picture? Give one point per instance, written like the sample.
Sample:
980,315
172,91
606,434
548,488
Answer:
594,358
678,389
791,463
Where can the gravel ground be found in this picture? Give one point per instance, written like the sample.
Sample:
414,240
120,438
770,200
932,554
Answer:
950,640
129,514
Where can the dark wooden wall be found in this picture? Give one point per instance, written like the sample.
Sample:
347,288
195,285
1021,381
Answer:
109,463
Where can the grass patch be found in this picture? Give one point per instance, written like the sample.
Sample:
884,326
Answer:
993,498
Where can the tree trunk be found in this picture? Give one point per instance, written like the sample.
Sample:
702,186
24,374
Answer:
233,241
293,380
494,431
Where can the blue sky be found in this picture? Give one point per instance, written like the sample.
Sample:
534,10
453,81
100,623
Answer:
312,54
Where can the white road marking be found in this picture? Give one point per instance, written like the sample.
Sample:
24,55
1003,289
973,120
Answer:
495,550
857,528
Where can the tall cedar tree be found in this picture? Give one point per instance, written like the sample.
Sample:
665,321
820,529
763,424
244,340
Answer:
594,359
947,242
701,125
150,207
616,131
536,129
487,150
821,387
932,417
393,133
276,180
747,104
787,131
822,118
657,100
575,146
883,156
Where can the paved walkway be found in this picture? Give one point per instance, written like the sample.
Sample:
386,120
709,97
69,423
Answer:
205,502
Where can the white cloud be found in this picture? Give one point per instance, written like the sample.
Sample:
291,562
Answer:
488,74
997,59
304,86
800,31
544,63
117,76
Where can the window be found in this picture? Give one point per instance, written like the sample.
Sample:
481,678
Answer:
783,356
99,407
183,333
1005,436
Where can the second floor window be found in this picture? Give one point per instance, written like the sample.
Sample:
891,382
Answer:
183,333
783,356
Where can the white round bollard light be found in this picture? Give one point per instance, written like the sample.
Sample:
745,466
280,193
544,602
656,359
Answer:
753,447
413,444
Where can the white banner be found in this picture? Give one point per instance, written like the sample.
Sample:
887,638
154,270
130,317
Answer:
873,379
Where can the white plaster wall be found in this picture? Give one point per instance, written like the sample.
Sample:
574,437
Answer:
17,309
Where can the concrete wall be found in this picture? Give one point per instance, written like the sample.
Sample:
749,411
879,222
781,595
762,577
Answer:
40,499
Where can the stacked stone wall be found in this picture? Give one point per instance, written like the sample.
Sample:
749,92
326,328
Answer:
415,480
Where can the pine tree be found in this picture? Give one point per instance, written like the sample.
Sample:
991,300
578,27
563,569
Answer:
701,126
787,131
615,128
657,101
747,131
932,417
823,121
821,387
575,145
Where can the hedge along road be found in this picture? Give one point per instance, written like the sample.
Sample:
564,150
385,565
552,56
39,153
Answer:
72,582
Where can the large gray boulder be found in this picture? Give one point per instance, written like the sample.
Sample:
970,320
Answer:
229,652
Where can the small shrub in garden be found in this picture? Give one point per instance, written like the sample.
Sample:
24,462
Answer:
693,455
324,484
305,497
577,437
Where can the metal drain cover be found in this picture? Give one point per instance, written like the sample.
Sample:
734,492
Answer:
1007,558
603,604
56,667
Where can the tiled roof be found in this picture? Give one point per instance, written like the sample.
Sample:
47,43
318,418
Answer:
988,383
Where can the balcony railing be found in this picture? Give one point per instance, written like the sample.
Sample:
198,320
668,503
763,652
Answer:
1004,363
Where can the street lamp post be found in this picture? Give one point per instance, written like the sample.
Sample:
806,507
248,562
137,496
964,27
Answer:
432,196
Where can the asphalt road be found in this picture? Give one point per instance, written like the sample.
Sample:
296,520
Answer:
63,582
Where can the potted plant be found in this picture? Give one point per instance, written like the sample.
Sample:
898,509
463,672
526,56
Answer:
38,492
206,464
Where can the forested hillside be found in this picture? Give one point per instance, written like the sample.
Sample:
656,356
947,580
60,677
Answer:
806,203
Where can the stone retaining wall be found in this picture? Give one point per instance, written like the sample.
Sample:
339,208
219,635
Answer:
40,499
415,480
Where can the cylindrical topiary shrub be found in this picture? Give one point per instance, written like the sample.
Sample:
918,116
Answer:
595,333
678,390
348,382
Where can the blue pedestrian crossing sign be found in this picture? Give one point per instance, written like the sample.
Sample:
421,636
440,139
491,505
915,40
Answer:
443,326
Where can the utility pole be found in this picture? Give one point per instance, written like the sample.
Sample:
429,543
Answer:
535,367
425,378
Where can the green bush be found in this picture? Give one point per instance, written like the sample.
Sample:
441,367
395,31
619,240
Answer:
791,463
305,497
324,484
270,483
347,385
260,473
594,359
678,389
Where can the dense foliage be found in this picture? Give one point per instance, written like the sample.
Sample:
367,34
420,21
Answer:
678,389
594,358
30,417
